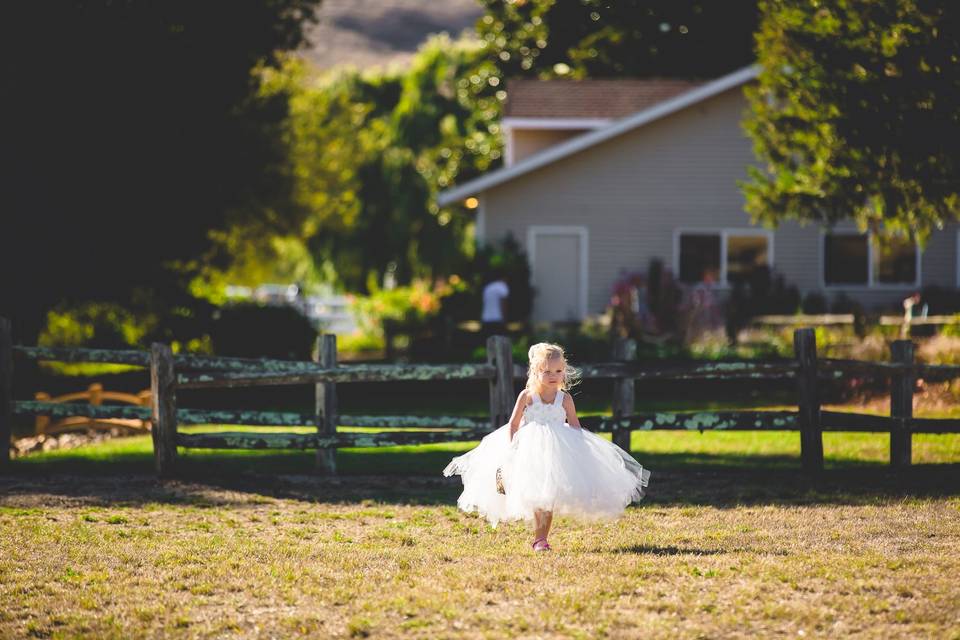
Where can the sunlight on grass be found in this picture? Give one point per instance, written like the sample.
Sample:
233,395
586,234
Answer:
655,449
352,560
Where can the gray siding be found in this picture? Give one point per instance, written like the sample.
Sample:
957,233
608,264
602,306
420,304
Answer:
632,193
526,142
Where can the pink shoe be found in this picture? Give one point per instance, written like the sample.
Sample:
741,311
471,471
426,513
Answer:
541,544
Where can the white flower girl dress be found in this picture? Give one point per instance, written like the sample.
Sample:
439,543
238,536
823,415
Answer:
549,466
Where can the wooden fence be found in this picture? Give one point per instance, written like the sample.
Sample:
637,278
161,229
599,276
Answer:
169,372
95,395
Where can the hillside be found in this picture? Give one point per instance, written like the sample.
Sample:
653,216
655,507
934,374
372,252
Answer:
368,33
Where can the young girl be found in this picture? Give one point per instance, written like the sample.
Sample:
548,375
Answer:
543,463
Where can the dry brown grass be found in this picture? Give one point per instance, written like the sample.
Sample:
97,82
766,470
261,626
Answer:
719,554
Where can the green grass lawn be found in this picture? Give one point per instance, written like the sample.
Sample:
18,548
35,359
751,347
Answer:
655,449
732,540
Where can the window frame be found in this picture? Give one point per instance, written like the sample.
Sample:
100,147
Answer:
872,284
724,233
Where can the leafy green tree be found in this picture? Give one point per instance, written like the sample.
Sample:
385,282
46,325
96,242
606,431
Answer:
366,154
856,114
636,38
128,133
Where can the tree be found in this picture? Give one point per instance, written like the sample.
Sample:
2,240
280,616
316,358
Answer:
856,114
636,38
128,134
367,153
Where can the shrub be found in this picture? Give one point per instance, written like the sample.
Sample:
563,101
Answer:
872,348
254,331
940,300
814,303
842,303
101,325
509,259
409,308
762,293
942,349
643,305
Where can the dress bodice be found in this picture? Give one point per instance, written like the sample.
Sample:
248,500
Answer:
552,414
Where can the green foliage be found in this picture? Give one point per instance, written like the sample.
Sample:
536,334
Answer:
100,325
856,114
360,342
508,259
761,293
93,324
253,331
942,349
146,140
250,255
165,312
367,152
598,38
814,303
409,308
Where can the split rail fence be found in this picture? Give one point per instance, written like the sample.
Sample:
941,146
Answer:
169,372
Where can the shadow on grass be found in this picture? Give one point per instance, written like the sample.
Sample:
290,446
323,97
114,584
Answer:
412,475
651,550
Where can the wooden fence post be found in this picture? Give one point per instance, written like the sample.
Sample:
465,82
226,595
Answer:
624,350
163,387
326,404
6,391
901,405
811,434
500,355
389,331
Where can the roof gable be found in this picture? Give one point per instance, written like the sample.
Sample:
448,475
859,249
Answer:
587,140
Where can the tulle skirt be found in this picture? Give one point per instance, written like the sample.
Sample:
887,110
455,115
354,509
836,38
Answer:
565,470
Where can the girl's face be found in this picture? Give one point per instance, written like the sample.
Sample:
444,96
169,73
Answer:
552,376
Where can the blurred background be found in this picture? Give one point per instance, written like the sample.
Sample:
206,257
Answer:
239,178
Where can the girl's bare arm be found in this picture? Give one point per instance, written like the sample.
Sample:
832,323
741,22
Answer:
518,409
571,410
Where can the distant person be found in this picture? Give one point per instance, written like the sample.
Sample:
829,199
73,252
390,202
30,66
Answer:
908,304
493,316
703,310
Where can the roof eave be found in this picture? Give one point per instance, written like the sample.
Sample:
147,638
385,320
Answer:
579,143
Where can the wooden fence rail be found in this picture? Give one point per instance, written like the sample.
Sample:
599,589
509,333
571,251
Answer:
170,372
241,417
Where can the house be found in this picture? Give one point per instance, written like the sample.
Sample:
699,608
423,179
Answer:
599,179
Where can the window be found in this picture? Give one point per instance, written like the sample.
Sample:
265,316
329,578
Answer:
732,255
865,260
845,259
699,253
745,254
895,261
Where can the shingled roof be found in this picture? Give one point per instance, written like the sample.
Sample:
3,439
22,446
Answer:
589,98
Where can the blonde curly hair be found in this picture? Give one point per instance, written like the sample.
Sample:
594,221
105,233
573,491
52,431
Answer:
542,353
